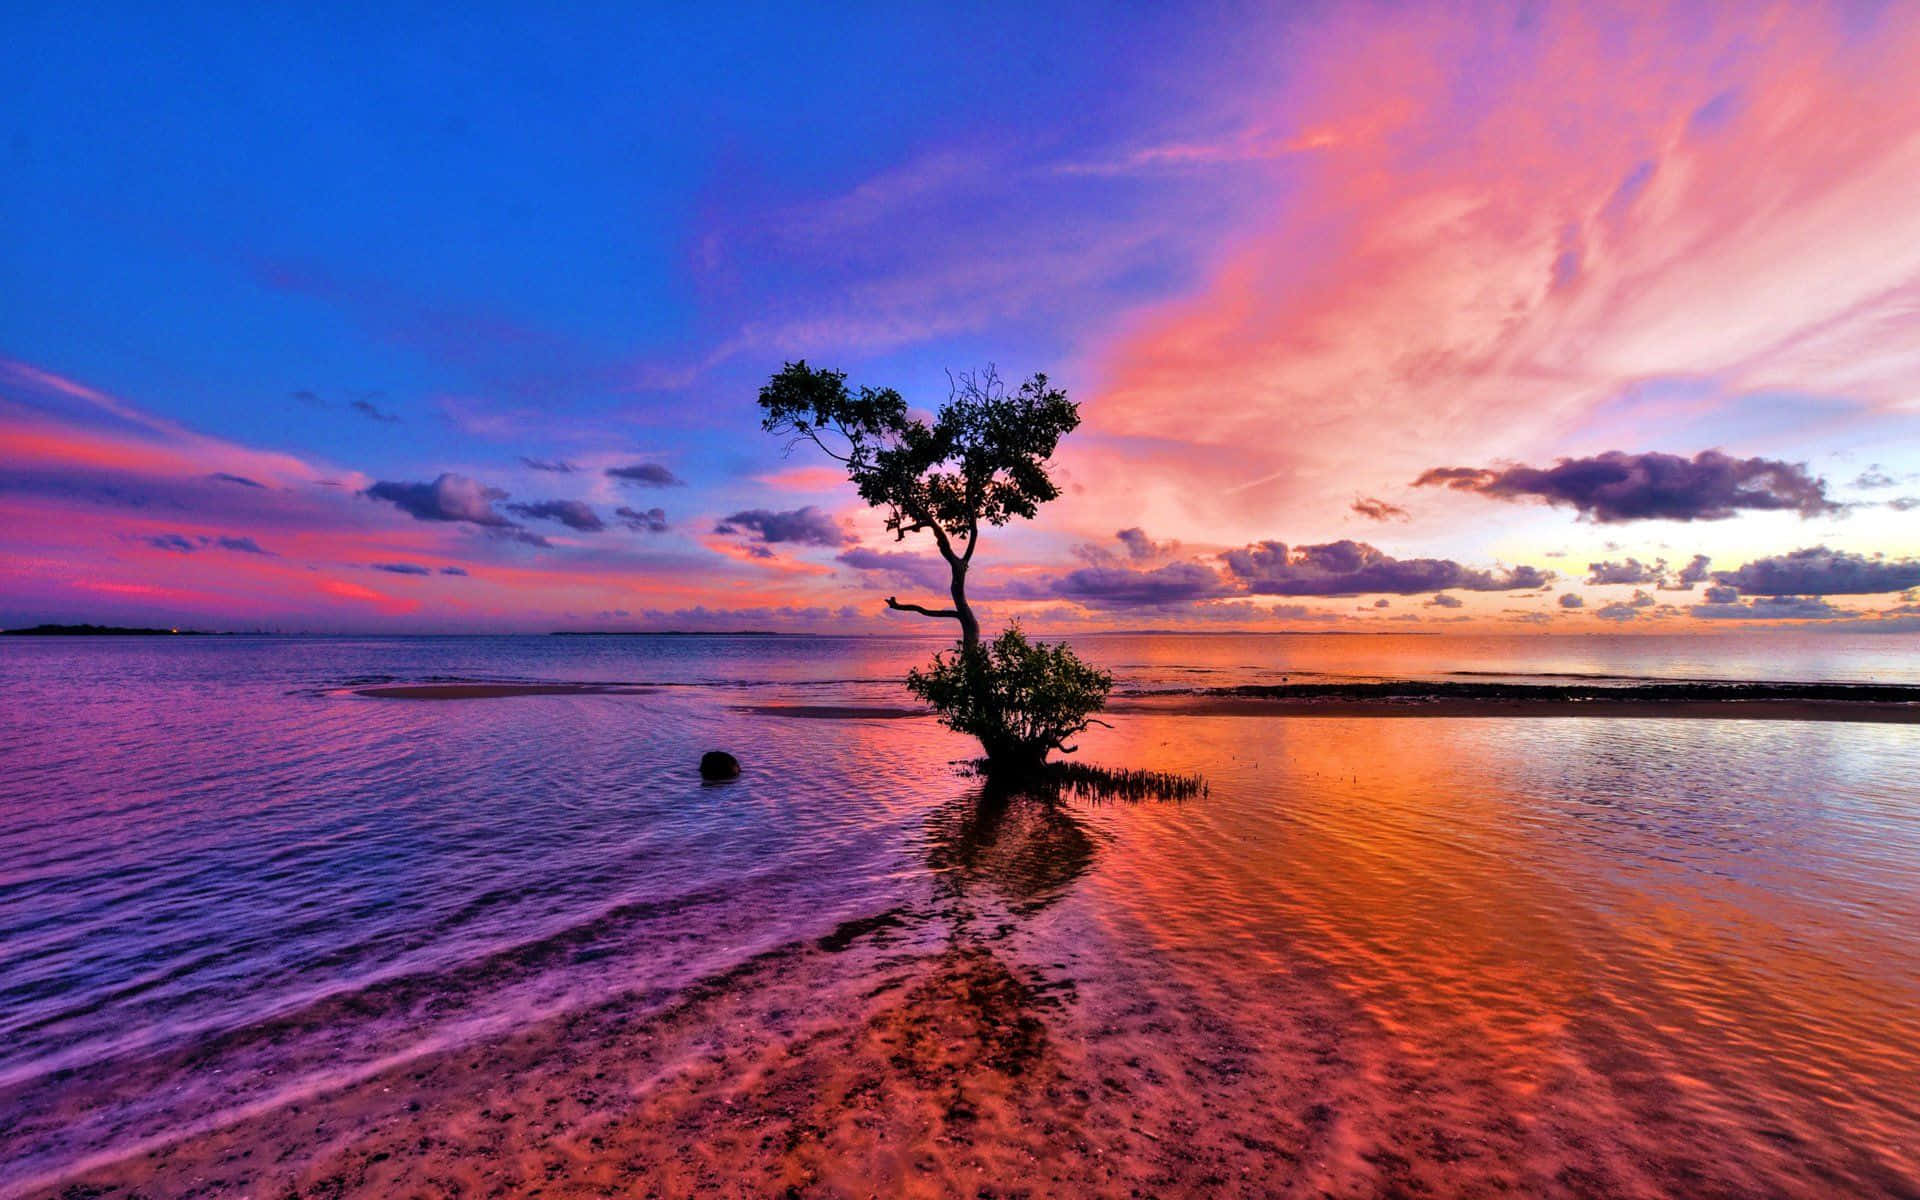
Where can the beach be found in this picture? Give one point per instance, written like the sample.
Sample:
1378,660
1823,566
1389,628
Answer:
509,943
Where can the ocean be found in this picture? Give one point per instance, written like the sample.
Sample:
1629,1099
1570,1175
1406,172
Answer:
1620,956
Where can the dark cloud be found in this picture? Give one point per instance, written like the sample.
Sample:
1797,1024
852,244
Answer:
1125,587
1348,568
807,526
1874,477
1383,602
461,571
558,466
1695,571
1135,547
645,475
1572,600
1771,608
908,569
1722,595
1443,600
242,480
449,498
1140,547
1617,612
1904,503
1630,571
1641,600
400,568
181,544
364,405
1378,510
574,514
1615,487
366,408
1818,571
653,520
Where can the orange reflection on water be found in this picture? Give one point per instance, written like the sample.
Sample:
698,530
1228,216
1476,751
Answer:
1635,953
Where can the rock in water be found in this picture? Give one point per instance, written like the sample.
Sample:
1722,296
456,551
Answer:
718,764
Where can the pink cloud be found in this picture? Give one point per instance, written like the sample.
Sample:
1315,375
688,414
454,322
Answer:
805,479
1518,222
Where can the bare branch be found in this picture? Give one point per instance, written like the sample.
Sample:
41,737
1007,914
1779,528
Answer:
950,613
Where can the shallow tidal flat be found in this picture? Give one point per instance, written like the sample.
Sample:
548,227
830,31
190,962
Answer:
513,944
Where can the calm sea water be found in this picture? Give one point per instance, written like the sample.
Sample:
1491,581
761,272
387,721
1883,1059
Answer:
226,881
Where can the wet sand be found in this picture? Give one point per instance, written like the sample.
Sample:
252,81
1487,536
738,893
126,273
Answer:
1878,704
1728,708
1724,709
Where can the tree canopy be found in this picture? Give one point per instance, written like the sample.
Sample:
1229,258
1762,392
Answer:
981,460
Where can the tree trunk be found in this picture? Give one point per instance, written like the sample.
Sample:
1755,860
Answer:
969,624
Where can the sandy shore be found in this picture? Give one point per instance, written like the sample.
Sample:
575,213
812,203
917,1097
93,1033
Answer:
1730,708
986,1041
910,1052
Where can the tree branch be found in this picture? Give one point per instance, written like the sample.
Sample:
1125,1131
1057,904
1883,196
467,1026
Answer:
951,613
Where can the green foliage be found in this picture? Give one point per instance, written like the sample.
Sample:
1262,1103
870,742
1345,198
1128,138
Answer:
983,458
1022,699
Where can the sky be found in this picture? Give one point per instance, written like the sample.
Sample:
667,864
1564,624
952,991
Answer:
1533,317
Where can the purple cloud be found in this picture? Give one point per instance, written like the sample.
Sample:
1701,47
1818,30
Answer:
903,567
653,520
1818,571
1615,487
574,514
1630,571
1349,568
1125,587
1772,608
807,526
449,498
1378,510
645,475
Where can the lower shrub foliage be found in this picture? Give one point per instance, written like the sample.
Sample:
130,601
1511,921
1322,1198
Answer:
1023,700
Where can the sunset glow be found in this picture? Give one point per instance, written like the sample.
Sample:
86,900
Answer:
1391,317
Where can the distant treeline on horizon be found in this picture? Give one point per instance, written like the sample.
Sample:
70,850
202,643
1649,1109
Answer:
99,631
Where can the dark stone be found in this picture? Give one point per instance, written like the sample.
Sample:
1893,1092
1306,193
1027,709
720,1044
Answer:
718,764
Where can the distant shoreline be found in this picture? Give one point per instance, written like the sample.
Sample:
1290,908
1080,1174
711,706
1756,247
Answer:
1868,703
98,631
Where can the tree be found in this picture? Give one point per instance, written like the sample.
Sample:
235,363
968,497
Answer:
981,461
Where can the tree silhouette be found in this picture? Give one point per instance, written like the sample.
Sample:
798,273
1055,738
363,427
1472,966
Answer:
981,461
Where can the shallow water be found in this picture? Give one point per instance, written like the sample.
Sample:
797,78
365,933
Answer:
1596,956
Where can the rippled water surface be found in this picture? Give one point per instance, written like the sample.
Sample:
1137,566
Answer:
1613,956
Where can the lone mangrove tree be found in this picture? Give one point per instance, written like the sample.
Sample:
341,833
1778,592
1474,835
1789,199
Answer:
981,461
